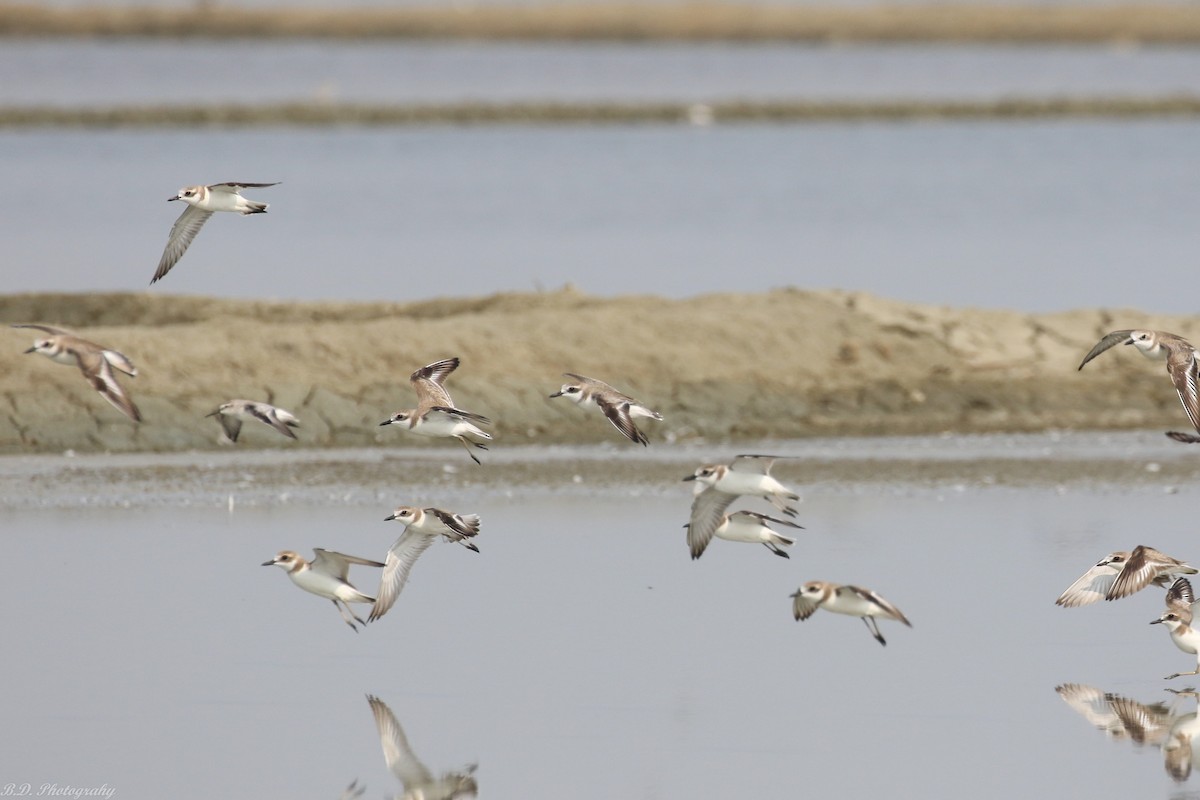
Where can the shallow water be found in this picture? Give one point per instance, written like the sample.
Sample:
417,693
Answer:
1033,216
582,648
130,72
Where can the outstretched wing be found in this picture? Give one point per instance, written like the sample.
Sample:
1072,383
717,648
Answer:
99,374
400,559
1111,340
338,564
1141,568
232,187
618,414
264,412
47,328
803,607
231,424
182,233
428,382
708,510
760,465
1182,367
1093,585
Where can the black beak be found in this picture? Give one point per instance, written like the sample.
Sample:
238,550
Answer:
557,394
385,422
1155,622
1130,341
31,350
169,199
270,563
690,478
389,519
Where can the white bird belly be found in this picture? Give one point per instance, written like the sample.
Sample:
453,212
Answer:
326,586
738,530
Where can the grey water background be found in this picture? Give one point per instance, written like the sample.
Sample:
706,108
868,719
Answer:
1031,215
581,651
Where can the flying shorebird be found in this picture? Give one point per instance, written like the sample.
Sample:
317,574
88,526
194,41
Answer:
230,416
325,576
845,599
422,526
419,782
435,414
1181,366
202,202
748,526
1178,619
718,485
95,361
621,409
1122,573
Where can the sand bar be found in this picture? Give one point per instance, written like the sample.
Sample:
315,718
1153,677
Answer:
1124,23
726,367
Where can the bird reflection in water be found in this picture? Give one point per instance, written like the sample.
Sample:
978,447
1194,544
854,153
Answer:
419,782
1157,724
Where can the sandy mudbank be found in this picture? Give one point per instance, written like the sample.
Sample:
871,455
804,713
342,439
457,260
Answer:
786,363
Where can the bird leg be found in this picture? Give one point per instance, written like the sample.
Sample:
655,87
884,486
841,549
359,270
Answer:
466,443
873,627
775,549
348,619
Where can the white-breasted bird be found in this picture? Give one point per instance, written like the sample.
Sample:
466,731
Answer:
749,526
1181,367
718,485
326,576
1121,573
621,409
95,361
1178,619
231,414
202,203
845,599
422,527
435,414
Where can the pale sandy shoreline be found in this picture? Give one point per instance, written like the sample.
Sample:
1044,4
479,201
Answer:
811,364
627,21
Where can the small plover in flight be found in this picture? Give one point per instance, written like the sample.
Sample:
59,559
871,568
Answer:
844,599
1122,573
1178,619
230,416
325,576
419,782
422,526
718,485
202,202
435,414
95,361
747,526
621,409
1181,366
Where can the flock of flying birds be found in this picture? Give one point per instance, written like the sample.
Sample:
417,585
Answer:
716,486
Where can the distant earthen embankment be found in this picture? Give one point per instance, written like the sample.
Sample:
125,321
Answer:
786,363
1127,24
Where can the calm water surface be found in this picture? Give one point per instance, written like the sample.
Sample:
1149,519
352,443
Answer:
105,72
1027,215
583,649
